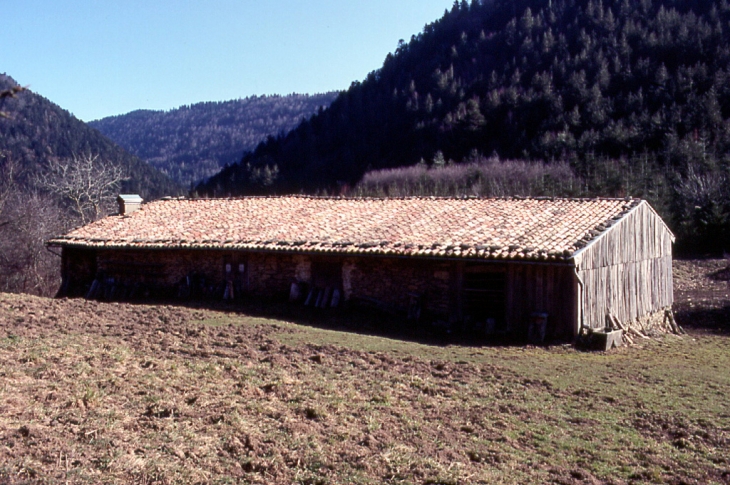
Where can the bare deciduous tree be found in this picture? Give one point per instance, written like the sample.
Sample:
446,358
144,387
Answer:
26,265
82,186
84,183
9,170
699,189
27,219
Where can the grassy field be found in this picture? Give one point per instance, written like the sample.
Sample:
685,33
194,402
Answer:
110,393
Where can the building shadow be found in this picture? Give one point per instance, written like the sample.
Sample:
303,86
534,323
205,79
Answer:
357,317
365,319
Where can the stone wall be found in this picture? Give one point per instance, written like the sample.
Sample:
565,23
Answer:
272,274
394,280
161,272
164,271
388,280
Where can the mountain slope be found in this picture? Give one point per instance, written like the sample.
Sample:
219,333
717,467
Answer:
196,141
56,173
37,130
643,81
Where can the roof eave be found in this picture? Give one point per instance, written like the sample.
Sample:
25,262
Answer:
549,260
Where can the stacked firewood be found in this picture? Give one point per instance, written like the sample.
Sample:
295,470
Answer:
645,328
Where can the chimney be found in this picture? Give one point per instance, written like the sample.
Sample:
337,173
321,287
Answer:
128,203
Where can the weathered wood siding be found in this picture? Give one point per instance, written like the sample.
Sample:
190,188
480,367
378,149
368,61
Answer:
537,288
530,288
628,270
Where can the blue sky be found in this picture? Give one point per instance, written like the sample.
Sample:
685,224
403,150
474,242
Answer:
106,57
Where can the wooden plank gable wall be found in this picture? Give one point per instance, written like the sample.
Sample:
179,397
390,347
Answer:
628,271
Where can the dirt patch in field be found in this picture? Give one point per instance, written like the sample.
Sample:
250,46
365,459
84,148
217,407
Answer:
113,393
146,393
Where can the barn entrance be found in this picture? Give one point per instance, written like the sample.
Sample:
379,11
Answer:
326,288
235,277
484,300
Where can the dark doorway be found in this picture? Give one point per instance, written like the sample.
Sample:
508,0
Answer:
326,274
235,276
484,301
326,287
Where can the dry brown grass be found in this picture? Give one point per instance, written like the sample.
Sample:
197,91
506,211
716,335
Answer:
111,393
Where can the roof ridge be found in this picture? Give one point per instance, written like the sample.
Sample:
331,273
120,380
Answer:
411,197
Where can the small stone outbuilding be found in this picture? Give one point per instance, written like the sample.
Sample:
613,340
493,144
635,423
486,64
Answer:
490,265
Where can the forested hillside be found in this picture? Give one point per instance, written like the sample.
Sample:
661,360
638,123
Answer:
196,141
55,173
37,130
633,94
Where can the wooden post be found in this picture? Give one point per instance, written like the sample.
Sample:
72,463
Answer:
458,288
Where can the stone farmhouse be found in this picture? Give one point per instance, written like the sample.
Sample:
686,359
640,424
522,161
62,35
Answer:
490,265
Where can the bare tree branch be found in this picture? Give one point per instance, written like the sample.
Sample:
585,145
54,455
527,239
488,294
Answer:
86,184
25,265
9,171
699,189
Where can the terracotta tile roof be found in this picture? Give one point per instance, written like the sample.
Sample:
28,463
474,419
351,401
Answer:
502,228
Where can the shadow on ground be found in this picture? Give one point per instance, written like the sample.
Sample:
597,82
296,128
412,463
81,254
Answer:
364,319
703,319
359,318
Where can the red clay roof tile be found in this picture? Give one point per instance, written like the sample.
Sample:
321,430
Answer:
504,228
